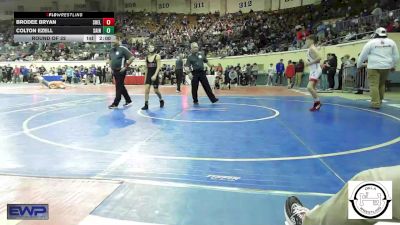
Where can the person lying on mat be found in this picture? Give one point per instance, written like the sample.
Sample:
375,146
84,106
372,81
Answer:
51,84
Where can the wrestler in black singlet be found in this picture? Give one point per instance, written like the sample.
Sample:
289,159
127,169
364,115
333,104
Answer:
151,69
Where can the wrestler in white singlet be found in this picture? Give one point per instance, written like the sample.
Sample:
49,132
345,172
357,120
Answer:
315,68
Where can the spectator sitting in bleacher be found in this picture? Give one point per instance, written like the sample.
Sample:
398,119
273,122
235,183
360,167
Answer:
219,35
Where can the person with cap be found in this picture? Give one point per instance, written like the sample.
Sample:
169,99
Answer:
382,55
120,59
196,61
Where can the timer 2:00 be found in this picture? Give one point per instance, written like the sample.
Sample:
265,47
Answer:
103,38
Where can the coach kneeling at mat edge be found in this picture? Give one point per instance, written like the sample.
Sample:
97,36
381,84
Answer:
196,61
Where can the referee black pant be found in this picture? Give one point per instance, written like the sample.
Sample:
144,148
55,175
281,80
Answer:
120,87
179,77
200,76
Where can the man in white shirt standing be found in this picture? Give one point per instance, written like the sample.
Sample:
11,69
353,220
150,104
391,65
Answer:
271,73
382,55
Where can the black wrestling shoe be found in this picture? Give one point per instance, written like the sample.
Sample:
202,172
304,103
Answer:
215,100
145,107
127,104
316,107
162,103
113,106
294,211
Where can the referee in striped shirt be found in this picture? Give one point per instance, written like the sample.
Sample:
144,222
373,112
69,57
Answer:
120,59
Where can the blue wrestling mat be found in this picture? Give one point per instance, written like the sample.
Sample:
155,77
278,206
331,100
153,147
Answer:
234,162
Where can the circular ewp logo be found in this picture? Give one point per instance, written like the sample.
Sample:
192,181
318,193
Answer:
370,200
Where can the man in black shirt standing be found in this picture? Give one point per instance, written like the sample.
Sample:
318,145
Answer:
332,66
120,59
196,61
179,72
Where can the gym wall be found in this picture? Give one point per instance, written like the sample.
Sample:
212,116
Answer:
207,6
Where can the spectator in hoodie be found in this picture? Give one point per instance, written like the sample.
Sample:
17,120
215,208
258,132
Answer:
24,74
290,72
300,37
280,69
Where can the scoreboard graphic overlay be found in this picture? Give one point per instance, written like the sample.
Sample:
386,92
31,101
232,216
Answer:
64,27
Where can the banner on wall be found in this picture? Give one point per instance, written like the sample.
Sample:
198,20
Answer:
309,2
137,5
204,6
244,5
284,4
172,6
200,6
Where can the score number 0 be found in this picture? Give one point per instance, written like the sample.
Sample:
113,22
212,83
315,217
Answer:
108,21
